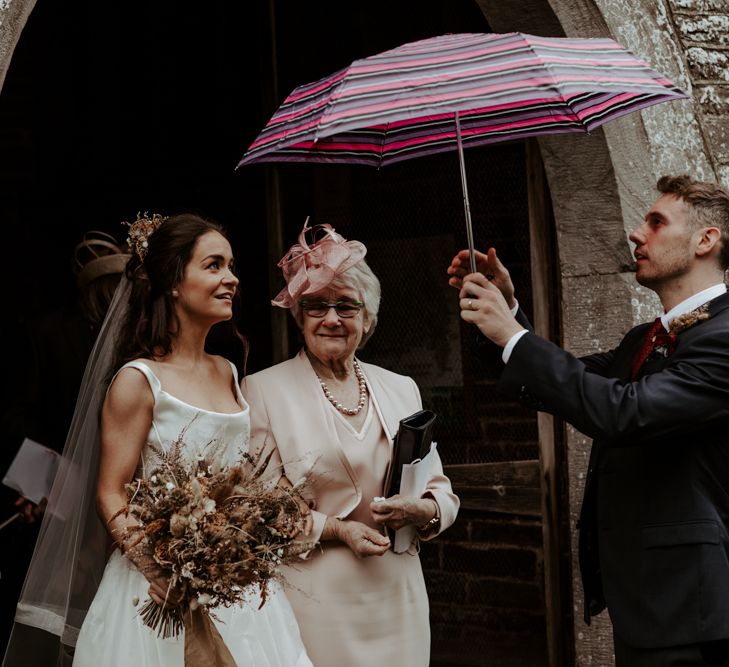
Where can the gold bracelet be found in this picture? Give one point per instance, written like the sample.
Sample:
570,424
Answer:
434,521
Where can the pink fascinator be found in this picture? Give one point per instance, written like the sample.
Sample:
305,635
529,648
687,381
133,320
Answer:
310,267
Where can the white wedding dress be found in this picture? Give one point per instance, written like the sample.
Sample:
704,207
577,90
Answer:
113,633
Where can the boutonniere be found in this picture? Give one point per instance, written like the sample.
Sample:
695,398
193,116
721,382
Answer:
665,343
687,320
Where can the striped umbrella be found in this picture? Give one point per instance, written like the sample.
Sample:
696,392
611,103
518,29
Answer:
447,92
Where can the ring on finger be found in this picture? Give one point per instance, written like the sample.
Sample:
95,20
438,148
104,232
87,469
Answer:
469,304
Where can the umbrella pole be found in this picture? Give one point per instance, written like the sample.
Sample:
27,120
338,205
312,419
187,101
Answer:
466,203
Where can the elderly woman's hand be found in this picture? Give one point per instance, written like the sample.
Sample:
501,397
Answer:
398,511
360,538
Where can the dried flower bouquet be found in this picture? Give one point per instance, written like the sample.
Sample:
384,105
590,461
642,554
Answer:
216,533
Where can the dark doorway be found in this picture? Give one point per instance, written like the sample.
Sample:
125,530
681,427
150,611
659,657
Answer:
112,109
108,110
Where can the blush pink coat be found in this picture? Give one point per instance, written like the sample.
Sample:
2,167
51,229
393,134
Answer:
351,611
287,410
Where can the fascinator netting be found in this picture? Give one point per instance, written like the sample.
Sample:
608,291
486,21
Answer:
308,267
73,544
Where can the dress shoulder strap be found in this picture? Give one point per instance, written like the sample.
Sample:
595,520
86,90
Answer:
238,392
235,371
154,384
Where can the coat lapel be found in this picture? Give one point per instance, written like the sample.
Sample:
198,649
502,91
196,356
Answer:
719,304
374,387
656,364
388,405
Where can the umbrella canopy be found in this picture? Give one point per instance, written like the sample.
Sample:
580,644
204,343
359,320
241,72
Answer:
403,103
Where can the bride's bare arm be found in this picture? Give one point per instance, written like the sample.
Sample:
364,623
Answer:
126,418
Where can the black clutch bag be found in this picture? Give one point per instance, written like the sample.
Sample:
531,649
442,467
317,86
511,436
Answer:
412,441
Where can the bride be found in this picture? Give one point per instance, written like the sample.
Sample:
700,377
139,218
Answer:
180,282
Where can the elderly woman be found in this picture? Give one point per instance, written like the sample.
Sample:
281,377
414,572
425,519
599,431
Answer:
333,418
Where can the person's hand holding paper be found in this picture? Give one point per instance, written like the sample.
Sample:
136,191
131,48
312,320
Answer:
31,474
32,471
28,511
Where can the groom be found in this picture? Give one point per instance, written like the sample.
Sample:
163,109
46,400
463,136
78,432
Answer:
654,526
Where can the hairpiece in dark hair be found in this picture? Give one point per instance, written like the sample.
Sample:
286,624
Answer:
140,230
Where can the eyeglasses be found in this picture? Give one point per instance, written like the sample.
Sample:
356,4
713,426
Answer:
321,308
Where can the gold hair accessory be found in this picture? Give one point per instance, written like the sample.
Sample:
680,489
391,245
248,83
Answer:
140,230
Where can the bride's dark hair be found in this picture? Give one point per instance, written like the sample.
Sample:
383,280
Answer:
151,324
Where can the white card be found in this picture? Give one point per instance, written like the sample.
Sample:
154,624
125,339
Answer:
413,483
33,470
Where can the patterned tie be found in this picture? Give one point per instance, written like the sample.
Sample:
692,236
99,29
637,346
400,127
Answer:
656,337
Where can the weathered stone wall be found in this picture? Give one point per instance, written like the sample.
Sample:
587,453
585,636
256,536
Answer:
688,136
667,138
13,15
702,27
602,185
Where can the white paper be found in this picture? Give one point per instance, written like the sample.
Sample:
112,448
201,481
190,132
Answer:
32,471
413,483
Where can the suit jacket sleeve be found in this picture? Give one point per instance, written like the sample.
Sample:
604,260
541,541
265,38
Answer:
599,363
693,388
596,363
522,319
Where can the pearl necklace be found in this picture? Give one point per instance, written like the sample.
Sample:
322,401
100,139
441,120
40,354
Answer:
362,392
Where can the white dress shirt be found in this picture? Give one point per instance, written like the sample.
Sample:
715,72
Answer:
506,353
693,302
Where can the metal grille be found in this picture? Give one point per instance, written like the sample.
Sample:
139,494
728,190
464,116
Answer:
411,218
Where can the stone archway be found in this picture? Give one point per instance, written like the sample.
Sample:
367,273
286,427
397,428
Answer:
601,185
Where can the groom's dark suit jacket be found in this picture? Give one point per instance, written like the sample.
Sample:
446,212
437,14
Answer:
654,527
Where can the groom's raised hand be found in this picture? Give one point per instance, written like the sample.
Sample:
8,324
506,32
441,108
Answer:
490,266
483,304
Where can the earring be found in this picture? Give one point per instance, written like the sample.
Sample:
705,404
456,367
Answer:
175,293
